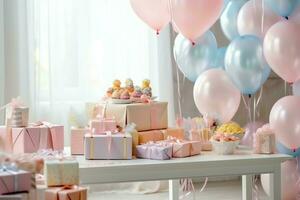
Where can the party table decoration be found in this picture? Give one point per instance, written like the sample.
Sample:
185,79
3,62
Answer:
66,193
13,179
155,151
40,135
224,144
264,140
63,171
77,140
108,146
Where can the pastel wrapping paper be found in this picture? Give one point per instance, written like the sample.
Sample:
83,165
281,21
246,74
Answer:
66,193
202,135
183,148
15,181
146,116
6,138
157,135
61,172
154,151
77,140
102,125
110,146
33,138
18,196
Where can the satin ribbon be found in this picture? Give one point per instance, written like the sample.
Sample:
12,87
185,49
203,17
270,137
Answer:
283,149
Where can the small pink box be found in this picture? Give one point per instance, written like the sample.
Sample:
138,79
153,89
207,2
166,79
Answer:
15,181
77,140
33,138
100,126
184,148
108,147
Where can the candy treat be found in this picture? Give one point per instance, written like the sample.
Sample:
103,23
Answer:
109,92
116,94
137,92
125,95
129,85
117,84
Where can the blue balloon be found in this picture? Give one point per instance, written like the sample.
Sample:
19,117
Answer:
228,19
283,149
219,60
245,63
193,59
282,7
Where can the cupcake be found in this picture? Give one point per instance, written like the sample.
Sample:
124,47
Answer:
137,93
147,92
116,95
125,95
109,92
116,84
129,85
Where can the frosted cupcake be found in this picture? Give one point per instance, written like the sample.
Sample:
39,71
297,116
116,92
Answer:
109,92
137,93
125,95
116,84
129,85
147,92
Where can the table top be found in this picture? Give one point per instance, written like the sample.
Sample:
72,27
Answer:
205,164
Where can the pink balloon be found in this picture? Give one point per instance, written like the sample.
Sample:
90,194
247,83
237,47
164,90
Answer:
250,130
282,50
256,19
194,17
289,178
215,95
155,13
285,121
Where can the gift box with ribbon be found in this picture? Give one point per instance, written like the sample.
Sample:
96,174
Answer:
14,180
158,135
183,148
66,193
108,146
155,151
102,125
77,140
146,116
16,113
202,135
60,172
264,140
42,135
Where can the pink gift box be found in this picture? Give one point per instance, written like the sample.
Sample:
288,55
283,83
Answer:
155,151
66,193
264,143
77,140
100,126
5,139
33,138
15,181
183,148
109,146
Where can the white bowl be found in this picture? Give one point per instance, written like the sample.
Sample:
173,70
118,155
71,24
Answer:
224,148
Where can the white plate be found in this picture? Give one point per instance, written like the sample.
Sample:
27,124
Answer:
121,101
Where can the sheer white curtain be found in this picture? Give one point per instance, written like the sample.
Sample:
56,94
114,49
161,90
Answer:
72,50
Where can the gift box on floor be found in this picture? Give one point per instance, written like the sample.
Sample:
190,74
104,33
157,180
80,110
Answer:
109,146
154,151
146,116
60,172
158,135
66,193
77,140
16,196
39,136
102,125
14,180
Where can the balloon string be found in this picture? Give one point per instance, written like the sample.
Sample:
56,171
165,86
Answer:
254,108
247,106
256,188
262,16
258,100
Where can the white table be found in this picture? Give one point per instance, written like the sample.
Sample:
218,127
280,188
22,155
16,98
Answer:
207,164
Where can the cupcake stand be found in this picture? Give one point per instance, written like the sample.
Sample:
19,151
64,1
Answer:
243,163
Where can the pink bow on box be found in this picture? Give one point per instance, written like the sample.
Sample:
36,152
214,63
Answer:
15,103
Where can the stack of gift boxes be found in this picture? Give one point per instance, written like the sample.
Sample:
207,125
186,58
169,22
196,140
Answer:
22,160
124,131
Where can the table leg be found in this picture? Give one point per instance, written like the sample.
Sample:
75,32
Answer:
275,184
247,181
174,189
